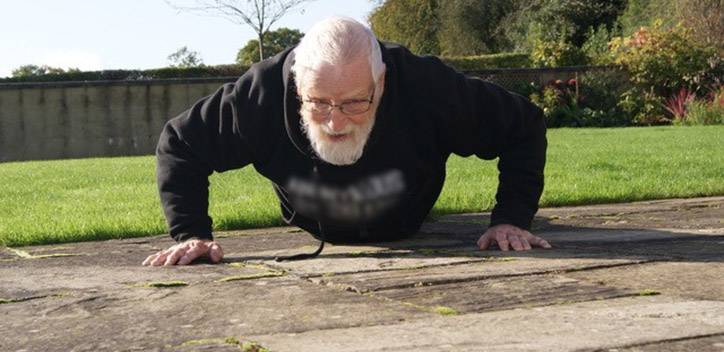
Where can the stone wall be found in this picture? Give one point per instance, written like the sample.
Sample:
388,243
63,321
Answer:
91,119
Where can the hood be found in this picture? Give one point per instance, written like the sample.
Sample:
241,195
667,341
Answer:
292,119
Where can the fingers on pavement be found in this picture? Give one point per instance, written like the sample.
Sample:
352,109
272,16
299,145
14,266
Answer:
502,239
192,253
537,241
215,252
175,255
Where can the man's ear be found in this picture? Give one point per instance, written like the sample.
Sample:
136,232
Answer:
381,82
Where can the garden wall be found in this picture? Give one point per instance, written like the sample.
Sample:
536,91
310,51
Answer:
91,119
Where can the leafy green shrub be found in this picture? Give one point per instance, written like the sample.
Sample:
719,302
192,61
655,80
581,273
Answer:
592,101
561,104
601,93
708,111
557,54
482,62
597,46
643,108
700,112
709,78
659,59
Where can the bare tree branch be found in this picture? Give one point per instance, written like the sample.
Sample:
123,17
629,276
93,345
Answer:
260,15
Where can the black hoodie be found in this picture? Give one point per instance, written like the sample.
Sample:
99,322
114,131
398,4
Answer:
427,112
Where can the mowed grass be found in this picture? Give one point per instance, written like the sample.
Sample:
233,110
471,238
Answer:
93,199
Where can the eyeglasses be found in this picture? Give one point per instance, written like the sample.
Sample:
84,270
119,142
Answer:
352,107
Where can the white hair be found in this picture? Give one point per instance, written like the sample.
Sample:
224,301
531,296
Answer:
337,40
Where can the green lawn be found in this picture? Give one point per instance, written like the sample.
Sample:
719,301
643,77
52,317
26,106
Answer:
91,199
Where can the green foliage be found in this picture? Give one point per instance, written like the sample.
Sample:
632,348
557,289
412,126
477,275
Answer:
136,75
570,20
412,23
34,71
482,62
557,54
597,46
591,101
709,78
601,92
704,17
701,112
643,107
562,104
274,42
183,57
644,13
470,27
706,20
659,60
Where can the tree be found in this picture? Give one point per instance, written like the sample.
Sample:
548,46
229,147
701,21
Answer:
274,43
704,17
452,27
35,70
185,58
474,27
412,23
258,14
571,20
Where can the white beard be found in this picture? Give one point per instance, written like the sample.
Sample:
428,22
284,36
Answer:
344,152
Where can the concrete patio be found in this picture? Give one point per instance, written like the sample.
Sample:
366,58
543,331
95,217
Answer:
645,276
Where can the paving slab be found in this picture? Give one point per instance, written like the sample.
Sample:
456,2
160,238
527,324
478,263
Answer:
501,294
604,324
488,268
713,342
355,262
637,276
682,279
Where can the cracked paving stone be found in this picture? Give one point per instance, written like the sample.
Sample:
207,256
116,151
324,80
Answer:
694,344
490,268
21,279
599,325
644,242
683,279
333,264
504,293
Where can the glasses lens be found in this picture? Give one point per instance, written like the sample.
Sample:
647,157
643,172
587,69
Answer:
317,107
355,107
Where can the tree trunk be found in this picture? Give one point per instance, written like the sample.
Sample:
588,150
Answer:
261,46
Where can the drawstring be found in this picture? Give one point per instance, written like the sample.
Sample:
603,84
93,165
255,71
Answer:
306,255
294,213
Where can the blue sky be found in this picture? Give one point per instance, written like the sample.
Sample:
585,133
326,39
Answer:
133,34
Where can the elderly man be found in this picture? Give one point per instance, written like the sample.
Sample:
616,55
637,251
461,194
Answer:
354,136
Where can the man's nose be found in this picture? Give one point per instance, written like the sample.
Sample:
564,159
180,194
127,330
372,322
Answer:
337,120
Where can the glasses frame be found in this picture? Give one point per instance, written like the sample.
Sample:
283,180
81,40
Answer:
329,106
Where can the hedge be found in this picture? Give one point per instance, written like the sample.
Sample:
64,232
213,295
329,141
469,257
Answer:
483,62
136,75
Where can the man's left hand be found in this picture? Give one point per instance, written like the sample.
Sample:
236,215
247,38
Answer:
506,236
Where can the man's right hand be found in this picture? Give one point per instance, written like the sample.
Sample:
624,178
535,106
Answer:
185,252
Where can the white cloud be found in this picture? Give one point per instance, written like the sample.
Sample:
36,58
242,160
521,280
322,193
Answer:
84,60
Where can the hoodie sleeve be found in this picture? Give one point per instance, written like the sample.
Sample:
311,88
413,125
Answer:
196,143
484,119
